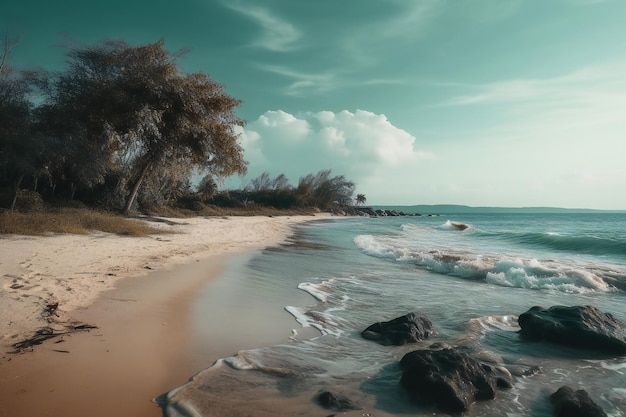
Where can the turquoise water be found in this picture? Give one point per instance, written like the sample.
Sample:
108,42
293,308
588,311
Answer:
471,283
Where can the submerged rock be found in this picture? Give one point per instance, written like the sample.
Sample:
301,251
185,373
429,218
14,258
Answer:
569,403
400,331
337,402
450,379
577,326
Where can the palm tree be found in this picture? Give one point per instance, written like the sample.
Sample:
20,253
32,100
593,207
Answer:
360,199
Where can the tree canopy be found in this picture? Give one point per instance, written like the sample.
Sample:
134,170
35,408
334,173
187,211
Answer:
133,107
124,127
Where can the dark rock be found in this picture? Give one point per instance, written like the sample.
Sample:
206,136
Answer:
337,402
450,379
400,331
578,326
569,403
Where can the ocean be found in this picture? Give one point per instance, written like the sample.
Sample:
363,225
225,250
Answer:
472,275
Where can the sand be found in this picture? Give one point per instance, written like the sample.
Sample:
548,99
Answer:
136,290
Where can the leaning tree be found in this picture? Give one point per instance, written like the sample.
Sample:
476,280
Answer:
134,110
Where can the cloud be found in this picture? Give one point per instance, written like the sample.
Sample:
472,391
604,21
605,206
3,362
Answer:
589,96
277,35
360,145
304,83
413,17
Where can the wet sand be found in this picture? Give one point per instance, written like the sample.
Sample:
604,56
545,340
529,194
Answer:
143,347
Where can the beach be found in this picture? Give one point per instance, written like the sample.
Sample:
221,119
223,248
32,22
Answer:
136,291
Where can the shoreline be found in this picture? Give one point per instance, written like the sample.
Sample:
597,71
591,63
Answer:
144,343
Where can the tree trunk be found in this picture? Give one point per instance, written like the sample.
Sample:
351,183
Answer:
133,193
72,190
16,191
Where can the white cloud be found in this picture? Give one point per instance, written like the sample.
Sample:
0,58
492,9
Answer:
277,34
413,17
304,83
590,96
360,145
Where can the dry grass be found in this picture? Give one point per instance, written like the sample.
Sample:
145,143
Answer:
71,220
210,211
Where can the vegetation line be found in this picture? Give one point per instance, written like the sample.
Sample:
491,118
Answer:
124,129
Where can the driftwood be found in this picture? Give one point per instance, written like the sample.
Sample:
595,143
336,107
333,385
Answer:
46,333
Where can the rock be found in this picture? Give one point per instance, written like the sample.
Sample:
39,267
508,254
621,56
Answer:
450,378
569,403
578,326
400,331
337,402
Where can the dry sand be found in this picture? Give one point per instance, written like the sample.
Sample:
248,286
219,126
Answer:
142,346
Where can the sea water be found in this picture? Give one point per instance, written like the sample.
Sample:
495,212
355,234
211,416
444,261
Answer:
471,275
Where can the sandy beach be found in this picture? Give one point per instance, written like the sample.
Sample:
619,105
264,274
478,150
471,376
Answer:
137,291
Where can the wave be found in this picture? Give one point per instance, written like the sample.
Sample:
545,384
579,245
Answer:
451,225
500,270
590,245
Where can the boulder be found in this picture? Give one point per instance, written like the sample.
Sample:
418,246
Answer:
400,331
578,326
450,379
569,403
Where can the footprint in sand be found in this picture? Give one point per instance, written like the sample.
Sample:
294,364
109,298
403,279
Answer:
17,284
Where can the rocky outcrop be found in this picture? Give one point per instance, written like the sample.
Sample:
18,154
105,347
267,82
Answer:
569,403
450,379
578,326
368,211
400,331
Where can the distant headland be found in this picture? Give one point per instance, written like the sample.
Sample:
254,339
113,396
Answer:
460,209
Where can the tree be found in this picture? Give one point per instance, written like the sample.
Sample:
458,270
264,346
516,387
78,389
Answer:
261,183
20,149
207,188
8,44
360,199
264,183
132,106
322,190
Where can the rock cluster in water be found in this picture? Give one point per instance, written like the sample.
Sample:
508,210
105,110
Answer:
569,403
451,379
400,331
578,326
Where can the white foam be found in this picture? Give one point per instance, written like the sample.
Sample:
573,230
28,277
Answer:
505,323
373,246
534,275
320,321
239,362
318,291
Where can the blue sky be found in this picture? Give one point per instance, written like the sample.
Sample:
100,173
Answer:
478,102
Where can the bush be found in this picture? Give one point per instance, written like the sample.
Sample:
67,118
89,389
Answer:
29,201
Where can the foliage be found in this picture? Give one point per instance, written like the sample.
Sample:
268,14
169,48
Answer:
323,191
124,128
134,111
320,190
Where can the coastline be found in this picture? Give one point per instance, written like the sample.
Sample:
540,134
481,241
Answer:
138,291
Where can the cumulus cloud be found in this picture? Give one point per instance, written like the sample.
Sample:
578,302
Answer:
360,145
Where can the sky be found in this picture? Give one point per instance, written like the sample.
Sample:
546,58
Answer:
506,103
